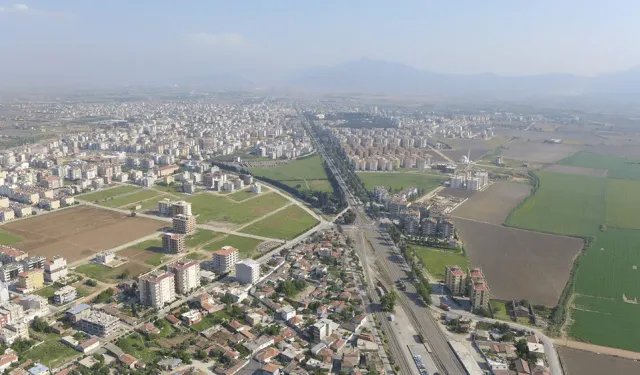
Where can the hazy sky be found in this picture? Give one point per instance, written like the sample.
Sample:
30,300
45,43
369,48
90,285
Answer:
138,41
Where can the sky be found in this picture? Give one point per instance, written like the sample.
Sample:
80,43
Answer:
159,41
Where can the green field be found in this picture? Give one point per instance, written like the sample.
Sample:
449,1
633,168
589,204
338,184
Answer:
241,195
200,237
617,167
246,246
500,310
563,204
130,199
299,174
398,180
137,346
109,275
286,224
9,239
623,203
108,193
210,207
436,260
51,351
152,204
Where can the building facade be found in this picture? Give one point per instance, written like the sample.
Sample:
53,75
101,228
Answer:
157,288
174,243
455,280
98,323
248,271
187,275
184,224
224,260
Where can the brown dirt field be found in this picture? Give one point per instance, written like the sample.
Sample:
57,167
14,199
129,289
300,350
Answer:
79,232
537,151
494,204
520,264
568,169
579,362
136,255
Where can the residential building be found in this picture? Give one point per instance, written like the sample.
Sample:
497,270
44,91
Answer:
55,269
320,330
11,255
410,220
455,280
478,289
64,295
10,272
31,280
187,275
105,257
446,228
225,259
429,227
180,208
184,224
98,323
164,207
256,188
247,271
157,288
174,243
77,313
37,261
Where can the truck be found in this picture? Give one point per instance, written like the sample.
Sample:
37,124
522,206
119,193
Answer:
444,306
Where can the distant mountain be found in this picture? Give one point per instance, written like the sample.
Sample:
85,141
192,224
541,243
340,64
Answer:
377,76
221,81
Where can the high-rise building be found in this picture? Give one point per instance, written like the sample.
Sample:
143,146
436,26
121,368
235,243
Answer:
184,224
225,259
173,243
187,275
478,289
248,271
455,280
157,288
180,208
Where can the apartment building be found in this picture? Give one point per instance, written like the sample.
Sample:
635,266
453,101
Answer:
410,220
164,207
456,280
180,208
187,275
247,271
10,272
173,243
184,224
31,280
478,289
11,255
64,295
320,330
55,269
157,288
105,257
225,259
36,261
98,323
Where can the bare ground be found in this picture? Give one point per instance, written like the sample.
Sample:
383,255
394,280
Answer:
579,362
568,169
79,232
494,204
520,264
538,151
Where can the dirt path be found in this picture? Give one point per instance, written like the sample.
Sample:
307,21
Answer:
597,349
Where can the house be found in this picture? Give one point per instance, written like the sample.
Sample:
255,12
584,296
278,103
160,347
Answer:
269,369
267,355
522,367
39,369
170,363
89,346
7,360
129,360
173,320
149,329
191,317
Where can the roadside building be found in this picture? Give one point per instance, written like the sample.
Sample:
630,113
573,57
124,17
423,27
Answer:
157,288
55,269
248,271
11,255
77,313
225,259
187,275
180,208
64,295
478,289
410,220
31,280
455,280
184,224
173,243
105,257
98,323
10,272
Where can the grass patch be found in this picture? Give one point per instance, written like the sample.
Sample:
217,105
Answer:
200,237
623,203
436,260
241,195
136,345
107,274
150,245
209,207
563,204
396,181
46,292
9,239
211,320
286,224
197,256
246,246
152,204
51,352
108,193
303,174
500,310
616,166
173,188
130,199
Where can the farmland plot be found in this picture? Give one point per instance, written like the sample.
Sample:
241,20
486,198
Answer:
494,204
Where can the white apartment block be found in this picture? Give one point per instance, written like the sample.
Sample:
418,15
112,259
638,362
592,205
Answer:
225,259
455,280
180,208
187,275
247,271
55,269
157,288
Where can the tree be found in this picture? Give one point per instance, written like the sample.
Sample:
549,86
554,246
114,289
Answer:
227,299
134,310
40,325
200,355
388,301
125,274
91,283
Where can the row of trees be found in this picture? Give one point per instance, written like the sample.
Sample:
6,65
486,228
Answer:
423,286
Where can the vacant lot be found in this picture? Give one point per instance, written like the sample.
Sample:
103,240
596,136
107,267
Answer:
214,208
246,246
578,362
298,174
399,180
570,169
241,195
476,148
538,151
108,193
201,237
623,203
79,232
518,263
130,199
605,310
494,204
617,167
129,270
436,260
148,252
563,204
286,224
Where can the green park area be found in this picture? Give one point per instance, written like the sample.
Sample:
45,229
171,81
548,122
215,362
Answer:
210,207
246,246
302,174
399,180
437,259
108,193
130,199
286,224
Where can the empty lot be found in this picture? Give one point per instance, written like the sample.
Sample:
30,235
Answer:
579,362
538,151
591,172
79,232
518,263
494,204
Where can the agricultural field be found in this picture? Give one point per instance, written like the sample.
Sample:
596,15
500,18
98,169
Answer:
286,224
212,208
130,199
623,203
563,204
582,171
476,148
200,237
538,152
617,167
520,264
399,180
108,193
579,362
298,174
437,259
494,204
9,239
79,232
246,246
